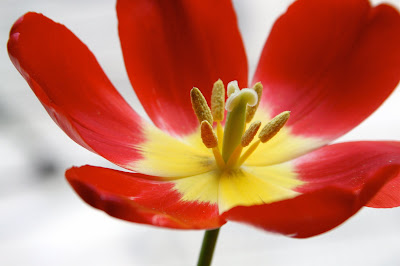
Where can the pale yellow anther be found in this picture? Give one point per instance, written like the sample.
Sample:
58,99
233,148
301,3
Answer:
251,110
207,135
218,101
200,106
273,126
249,134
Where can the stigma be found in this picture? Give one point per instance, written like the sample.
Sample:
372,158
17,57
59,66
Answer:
234,143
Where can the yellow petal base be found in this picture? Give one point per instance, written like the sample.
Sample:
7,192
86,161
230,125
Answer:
243,187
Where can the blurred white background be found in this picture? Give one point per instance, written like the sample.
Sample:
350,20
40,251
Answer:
43,222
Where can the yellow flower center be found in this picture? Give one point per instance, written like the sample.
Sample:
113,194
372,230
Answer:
248,164
228,144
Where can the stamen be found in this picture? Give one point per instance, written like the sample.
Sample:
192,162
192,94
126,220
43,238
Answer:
200,106
234,157
251,110
218,101
207,135
248,136
220,134
218,158
273,126
269,131
248,152
210,141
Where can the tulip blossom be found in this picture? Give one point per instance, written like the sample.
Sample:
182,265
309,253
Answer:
258,155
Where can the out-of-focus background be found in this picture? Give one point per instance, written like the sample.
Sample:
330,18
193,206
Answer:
43,222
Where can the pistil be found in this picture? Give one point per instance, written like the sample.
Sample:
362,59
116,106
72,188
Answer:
236,119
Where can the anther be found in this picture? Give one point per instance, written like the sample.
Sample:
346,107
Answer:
248,136
200,106
207,135
218,101
210,141
251,110
269,131
273,126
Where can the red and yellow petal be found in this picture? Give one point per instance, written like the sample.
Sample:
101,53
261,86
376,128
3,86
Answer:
304,216
171,46
302,198
169,157
73,88
331,63
136,198
71,85
334,183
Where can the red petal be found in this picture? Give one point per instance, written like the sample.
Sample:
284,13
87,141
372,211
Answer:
349,166
301,217
331,63
388,196
340,178
132,197
171,46
73,88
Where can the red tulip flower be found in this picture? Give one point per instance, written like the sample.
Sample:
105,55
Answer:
330,63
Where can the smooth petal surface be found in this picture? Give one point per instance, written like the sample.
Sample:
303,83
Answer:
73,88
133,197
171,46
338,181
312,213
331,63
301,217
349,166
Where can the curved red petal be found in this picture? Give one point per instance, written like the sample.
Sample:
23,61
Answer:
314,212
388,196
349,166
73,88
133,197
171,46
331,63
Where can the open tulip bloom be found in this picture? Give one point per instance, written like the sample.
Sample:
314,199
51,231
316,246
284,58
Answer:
259,155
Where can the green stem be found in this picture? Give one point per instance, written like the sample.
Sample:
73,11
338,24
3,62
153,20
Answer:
207,248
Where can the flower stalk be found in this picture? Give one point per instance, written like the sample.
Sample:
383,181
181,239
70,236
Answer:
208,247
